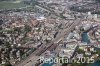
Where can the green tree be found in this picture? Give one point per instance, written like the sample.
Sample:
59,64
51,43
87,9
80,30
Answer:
80,51
27,28
98,0
7,64
8,45
98,52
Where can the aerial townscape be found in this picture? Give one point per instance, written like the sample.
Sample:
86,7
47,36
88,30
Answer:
49,32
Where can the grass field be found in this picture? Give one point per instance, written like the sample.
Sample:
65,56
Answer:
11,4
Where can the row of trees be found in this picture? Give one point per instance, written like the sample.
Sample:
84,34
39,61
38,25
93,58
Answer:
98,0
7,0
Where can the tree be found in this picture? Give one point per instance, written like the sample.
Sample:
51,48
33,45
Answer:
98,52
7,44
7,64
80,51
64,64
98,1
27,28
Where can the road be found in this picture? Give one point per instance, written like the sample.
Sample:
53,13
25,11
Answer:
44,48
62,35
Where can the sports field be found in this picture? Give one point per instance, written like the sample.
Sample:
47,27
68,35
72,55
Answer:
11,4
